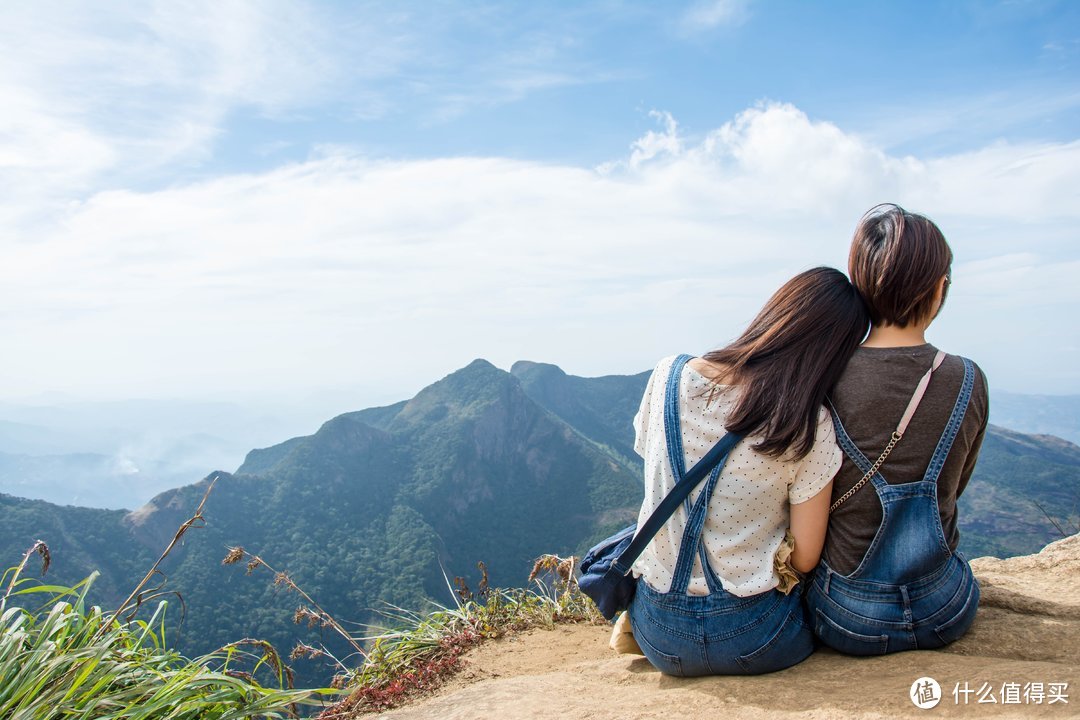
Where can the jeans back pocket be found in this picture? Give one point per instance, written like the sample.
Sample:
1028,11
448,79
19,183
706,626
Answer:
959,622
847,641
664,662
789,645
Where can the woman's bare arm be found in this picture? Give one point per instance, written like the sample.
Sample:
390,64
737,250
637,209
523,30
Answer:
809,520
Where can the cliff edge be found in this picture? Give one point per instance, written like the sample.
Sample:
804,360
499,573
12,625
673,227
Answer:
1023,652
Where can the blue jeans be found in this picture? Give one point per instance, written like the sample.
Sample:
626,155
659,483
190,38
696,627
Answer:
720,633
866,618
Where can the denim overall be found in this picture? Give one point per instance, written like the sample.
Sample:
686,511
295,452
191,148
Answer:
718,633
910,591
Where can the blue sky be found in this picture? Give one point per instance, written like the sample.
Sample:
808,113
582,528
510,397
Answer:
571,81
349,200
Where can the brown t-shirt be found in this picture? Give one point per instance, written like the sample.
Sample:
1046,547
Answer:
870,398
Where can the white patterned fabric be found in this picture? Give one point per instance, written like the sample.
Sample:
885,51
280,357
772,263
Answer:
749,509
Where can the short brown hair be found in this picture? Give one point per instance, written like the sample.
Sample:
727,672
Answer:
897,259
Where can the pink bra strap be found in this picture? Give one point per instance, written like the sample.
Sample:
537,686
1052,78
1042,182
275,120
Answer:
920,390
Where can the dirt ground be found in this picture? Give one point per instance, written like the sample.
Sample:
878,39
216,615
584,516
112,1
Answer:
570,672
1027,632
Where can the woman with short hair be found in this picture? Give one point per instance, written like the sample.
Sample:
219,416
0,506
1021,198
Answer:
910,420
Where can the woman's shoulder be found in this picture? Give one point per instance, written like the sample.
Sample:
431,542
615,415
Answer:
814,470
663,367
954,367
979,404
659,374
825,437
878,382
868,364
824,445
958,361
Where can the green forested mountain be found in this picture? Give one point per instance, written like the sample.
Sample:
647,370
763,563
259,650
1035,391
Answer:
600,408
1025,493
482,465
80,539
371,508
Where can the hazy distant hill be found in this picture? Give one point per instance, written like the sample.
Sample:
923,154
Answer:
120,454
482,465
1039,414
88,479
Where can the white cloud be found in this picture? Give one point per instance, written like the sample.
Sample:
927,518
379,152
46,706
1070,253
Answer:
346,270
655,143
129,94
708,14
112,94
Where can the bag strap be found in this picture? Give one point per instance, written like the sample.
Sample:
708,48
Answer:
680,492
901,428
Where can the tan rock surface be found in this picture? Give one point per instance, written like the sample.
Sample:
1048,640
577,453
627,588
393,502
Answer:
1046,583
1027,631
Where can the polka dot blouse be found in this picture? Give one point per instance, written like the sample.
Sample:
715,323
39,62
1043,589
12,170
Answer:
749,509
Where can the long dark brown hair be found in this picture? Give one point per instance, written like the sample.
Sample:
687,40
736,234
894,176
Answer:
790,357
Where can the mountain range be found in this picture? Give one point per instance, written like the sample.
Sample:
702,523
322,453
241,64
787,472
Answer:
120,454
383,505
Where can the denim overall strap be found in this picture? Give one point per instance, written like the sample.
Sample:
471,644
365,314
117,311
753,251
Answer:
952,428
691,545
672,426
647,530
697,512
685,480
851,449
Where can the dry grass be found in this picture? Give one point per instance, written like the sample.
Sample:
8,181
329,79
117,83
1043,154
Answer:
416,652
67,660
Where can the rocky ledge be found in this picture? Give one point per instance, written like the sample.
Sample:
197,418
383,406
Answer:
1023,653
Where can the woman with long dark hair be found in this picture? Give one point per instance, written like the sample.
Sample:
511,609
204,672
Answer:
709,598
910,420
